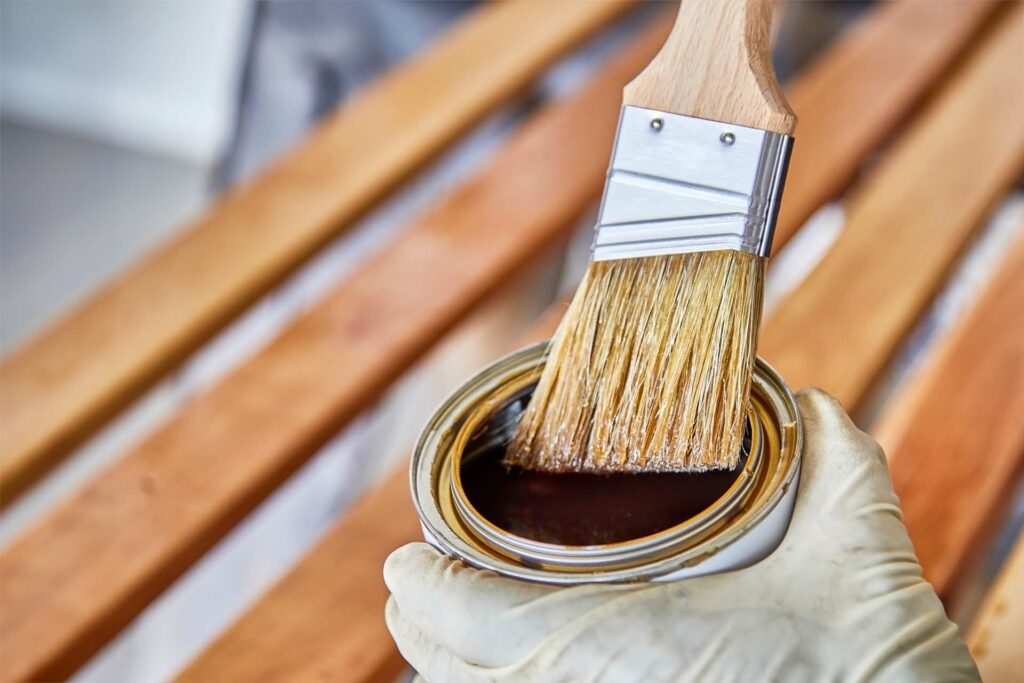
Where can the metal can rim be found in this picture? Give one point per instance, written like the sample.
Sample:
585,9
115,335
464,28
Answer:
577,564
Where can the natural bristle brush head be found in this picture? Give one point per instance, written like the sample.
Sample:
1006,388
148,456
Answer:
650,369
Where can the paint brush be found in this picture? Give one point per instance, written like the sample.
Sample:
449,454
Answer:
650,369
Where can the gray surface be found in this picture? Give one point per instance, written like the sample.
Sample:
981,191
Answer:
73,212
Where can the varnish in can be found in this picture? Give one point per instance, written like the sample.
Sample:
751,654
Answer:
582,528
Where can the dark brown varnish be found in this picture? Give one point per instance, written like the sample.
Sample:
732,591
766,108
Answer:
586,509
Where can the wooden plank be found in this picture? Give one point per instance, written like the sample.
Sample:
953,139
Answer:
146,518
62,385
955,439
892,58
906,226
330,608
339,635
995,634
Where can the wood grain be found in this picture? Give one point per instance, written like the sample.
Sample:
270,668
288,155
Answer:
339,635
67,382
717,64
62,385
337,589
89,567
875,74
906,226
955,437
995,634
147,518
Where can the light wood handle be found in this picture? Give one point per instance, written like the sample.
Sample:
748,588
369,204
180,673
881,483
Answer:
716,64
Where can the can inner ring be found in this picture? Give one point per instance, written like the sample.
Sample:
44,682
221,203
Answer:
458,529
507,542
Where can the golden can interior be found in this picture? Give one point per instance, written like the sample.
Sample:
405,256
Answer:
570,528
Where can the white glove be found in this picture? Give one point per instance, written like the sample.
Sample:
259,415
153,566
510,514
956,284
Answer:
842,599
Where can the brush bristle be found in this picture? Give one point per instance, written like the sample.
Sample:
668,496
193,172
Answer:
650,369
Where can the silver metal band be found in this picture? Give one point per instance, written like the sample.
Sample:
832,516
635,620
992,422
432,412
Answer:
679,184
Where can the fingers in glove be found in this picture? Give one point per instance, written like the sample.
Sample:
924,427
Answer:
479,616
431,661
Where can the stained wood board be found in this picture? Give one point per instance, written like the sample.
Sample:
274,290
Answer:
876,74
955,436
66,382
78,577
906,226
995,634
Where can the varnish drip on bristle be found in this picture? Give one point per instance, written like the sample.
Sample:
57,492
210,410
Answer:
650,369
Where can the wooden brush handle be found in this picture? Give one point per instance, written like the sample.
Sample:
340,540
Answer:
717,65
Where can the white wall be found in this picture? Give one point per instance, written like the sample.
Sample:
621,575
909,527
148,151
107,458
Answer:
155,75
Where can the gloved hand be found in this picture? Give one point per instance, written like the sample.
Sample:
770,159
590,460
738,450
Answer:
841,599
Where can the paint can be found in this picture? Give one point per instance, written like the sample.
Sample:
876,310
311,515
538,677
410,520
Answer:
574,528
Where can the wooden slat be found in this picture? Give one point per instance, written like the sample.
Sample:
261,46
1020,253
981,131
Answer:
330,608
324,643
956,441
76,579
340,634
62,385
891,58
151,515
995,634
906,226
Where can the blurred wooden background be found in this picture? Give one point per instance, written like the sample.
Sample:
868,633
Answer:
412,236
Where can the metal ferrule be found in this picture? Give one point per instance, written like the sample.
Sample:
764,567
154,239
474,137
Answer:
679,184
